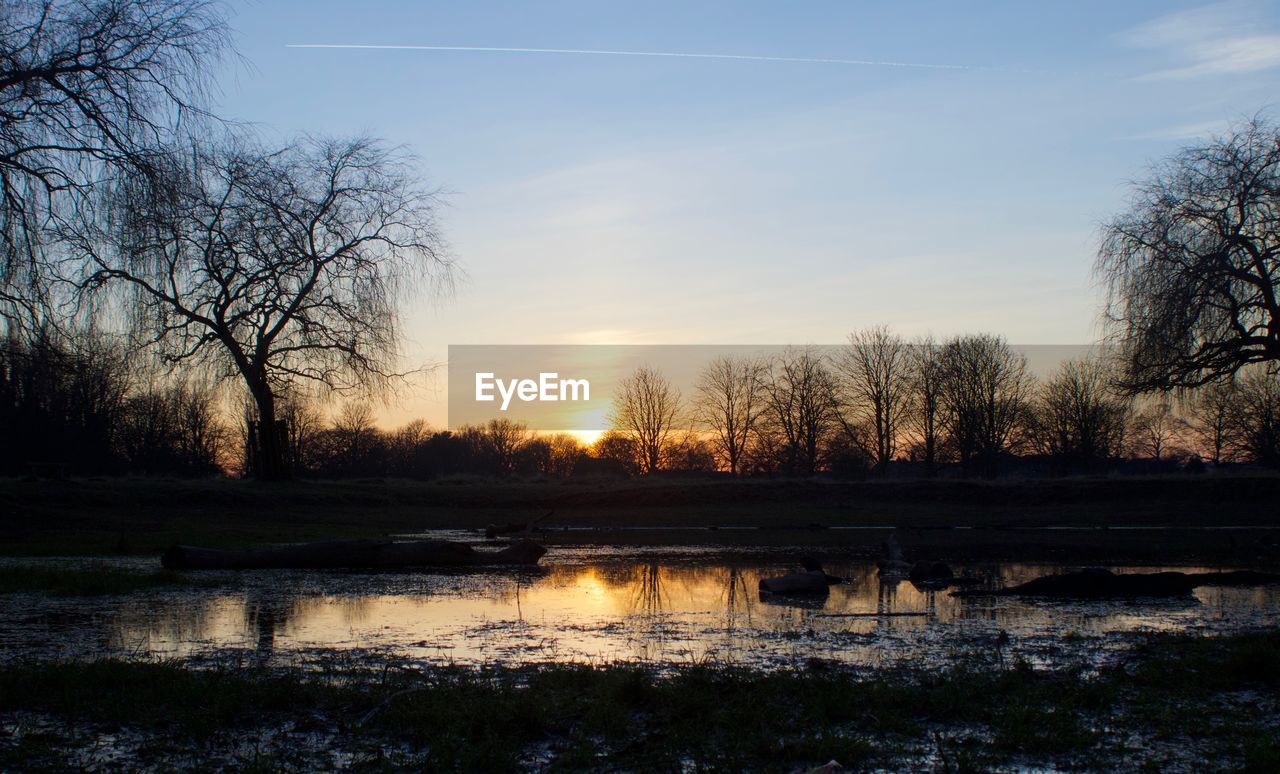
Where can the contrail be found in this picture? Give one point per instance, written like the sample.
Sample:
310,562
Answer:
670,54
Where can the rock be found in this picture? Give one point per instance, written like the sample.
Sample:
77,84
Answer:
811,582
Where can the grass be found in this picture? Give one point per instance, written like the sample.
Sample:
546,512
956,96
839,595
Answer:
701,717
94,580
144,516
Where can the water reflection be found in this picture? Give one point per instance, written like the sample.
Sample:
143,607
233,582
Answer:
653,610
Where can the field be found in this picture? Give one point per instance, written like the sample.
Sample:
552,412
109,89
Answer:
1192,518
1178,702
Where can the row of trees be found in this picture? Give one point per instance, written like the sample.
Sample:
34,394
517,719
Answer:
969,404
969,401
86,406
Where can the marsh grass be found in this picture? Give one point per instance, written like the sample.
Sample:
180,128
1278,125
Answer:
566,717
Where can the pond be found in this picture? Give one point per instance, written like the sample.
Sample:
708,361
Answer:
659,605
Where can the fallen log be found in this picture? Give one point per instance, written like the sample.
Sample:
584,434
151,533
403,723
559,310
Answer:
351,554
1096,583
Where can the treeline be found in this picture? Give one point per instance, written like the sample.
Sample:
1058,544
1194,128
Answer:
90,406
879,406
968,404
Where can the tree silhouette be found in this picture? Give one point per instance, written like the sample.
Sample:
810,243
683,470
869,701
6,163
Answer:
1193,265
282,268
87,89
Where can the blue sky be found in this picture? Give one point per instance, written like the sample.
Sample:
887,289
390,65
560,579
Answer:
620,199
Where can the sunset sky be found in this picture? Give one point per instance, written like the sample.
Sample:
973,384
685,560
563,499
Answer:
608,198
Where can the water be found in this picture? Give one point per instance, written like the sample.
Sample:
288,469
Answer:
662,606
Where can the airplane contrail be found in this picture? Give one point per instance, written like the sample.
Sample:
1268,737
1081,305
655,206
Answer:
670,54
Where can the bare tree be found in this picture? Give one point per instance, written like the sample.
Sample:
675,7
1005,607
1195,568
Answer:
925,396
1260,416
645,409
1193,265
353,432
1216,419
502,440
874,390
1078,420
986,393
203,436
730,398
802,408
86,87
280,268
1156,428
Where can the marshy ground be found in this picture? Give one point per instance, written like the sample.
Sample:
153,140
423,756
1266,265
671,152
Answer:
643,643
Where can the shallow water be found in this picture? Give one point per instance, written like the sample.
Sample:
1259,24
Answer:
594,604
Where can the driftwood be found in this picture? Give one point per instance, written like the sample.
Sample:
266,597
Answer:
1097,583
346,554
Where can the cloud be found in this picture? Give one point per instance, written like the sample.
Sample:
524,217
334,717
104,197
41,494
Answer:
1184,131
1229,38
662,54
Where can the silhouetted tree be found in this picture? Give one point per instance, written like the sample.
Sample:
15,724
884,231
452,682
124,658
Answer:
1216,419
620,449
87,89
802,409
1078,421
1193,266
62,400
646,407
1156,427
501,441
986,394
925,398
874,389
277,267
1260,416
730,399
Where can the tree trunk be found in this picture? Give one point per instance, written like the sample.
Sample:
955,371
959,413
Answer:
270,442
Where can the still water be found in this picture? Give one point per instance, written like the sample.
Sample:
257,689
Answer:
600,605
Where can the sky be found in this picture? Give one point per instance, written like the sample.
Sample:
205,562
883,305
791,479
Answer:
621,199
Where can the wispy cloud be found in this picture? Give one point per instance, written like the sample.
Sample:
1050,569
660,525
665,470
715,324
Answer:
1229,38
665,54
1184,131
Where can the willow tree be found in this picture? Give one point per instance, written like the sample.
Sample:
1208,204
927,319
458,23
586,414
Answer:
87,89
284,268
1193,266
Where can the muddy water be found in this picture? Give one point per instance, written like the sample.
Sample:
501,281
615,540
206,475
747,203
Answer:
599,605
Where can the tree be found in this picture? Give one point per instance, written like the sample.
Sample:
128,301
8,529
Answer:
925,398
802,409
730,398
87,89
645,409
1193,265
986,392
874,388
281,268
1078,421
1155,429
1260,416
1216,419
501,441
